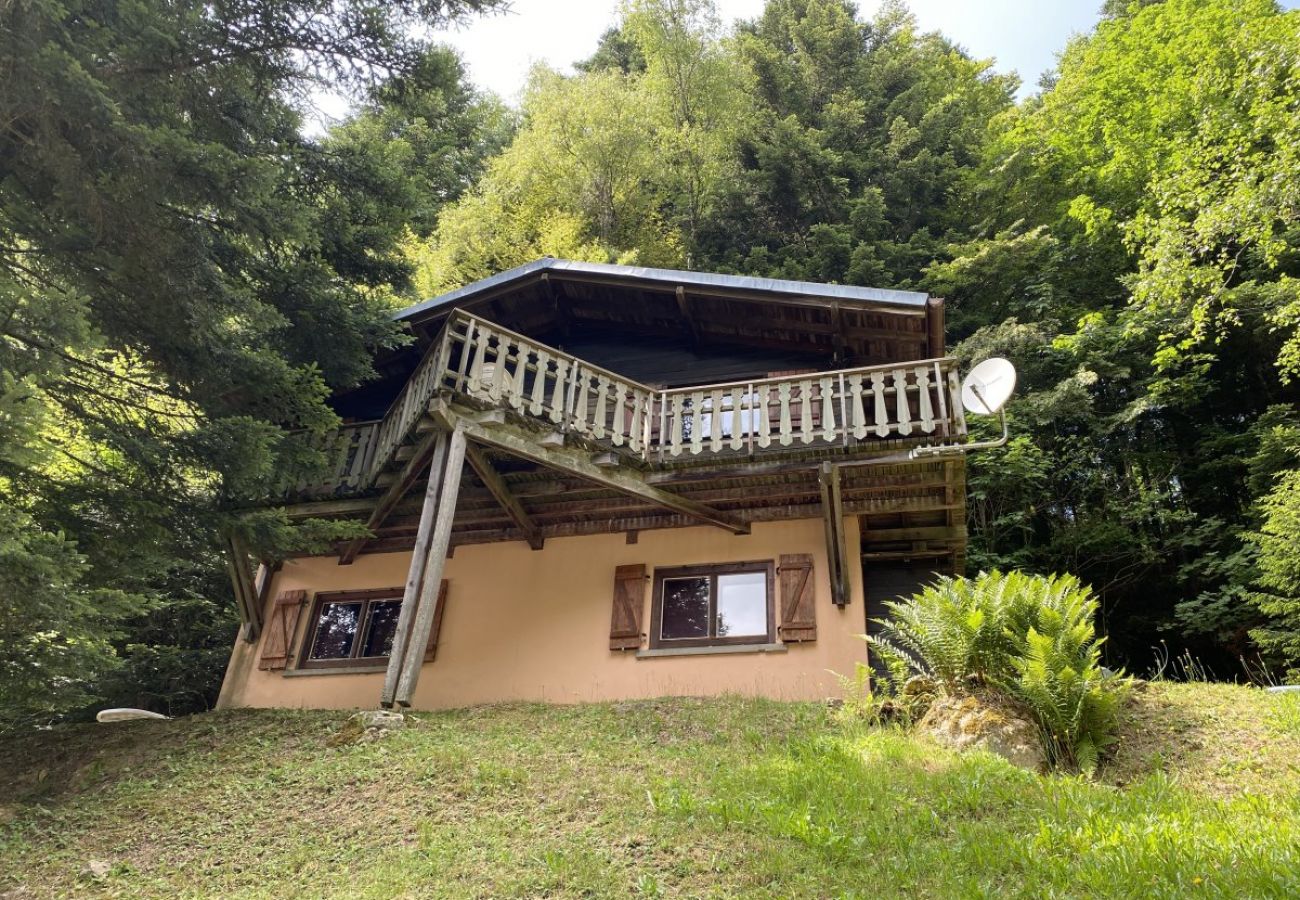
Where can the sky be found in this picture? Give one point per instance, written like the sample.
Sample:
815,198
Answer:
1022,35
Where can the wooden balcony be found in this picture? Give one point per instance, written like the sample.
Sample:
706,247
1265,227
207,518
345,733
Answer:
479,364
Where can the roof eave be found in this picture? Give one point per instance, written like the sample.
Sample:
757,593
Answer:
775,289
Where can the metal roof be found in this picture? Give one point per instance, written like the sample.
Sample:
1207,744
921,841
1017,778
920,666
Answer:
671,278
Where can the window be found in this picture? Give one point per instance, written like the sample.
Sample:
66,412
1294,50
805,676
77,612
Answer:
351,628
713,605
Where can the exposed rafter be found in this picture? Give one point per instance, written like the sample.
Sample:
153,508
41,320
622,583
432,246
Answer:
684,307
411,472
509,502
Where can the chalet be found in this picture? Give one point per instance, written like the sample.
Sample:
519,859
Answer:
592,482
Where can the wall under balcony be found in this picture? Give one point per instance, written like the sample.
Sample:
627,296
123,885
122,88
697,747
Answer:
534,625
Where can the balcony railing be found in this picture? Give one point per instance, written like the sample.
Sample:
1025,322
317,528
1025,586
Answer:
477,359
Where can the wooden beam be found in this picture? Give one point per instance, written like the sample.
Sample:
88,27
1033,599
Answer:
833,517
246,592
405,480
434,564
326,508
415,573
757,295
684,307
523,444
934,326
841,339
509,502
926,533
889,555
563,309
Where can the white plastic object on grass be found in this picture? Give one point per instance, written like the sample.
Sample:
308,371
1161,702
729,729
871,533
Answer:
126,713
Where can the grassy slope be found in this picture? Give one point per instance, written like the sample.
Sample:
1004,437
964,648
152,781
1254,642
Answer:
667,798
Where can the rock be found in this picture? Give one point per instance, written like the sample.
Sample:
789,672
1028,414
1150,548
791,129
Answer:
985,722
379,718
97,869
366,726
918,685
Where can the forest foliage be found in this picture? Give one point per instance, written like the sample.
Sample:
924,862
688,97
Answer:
188,270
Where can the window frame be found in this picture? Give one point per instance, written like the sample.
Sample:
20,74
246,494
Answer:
712,570
367,598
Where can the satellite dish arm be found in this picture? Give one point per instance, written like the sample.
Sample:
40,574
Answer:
951,449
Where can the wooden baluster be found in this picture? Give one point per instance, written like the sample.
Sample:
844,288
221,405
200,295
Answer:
783,401
581,405
559,395
499,373
738,401
634,442
882,413
806,431
764,420
665,436
954,401
538,396
355,458
926,410
900,399
715,421
752,423
697,422
859,413
618,432
647,425
675,446
475,384
514,389
600,413
466,352
943,401
828,410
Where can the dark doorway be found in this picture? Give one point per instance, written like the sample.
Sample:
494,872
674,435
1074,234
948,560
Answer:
896,580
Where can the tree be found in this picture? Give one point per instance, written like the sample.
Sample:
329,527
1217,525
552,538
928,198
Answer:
184,277
1144,192
856,166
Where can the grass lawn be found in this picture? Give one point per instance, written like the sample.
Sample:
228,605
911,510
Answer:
672,798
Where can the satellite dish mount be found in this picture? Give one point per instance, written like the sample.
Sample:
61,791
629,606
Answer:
984,392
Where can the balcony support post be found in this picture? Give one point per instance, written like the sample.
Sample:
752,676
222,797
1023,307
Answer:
415,620
833,516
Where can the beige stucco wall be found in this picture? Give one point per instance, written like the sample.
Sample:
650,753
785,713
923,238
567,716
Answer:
534,625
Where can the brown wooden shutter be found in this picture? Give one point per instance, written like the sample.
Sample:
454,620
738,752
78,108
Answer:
431,648
280,629
629,599
798,612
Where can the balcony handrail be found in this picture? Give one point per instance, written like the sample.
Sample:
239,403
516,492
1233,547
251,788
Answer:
881,367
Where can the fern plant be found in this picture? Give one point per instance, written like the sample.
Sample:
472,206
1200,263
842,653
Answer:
1030,637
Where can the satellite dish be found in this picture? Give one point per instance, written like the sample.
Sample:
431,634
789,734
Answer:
988,386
